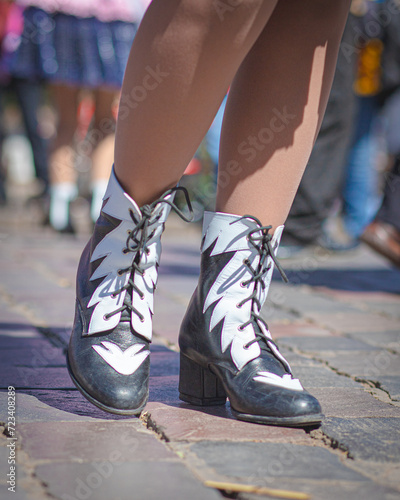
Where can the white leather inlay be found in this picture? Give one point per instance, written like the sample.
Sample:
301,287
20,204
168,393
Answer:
124,362
118,204
286,381
228,289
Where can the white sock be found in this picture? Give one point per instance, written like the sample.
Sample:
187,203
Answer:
60,197
99,188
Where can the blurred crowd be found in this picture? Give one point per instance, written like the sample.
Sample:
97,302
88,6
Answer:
62,63
69,55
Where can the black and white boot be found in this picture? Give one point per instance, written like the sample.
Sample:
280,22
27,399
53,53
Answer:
226,347
108,355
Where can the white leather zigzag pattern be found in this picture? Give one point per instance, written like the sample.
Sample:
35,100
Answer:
286,381
227,290
124,362
110,248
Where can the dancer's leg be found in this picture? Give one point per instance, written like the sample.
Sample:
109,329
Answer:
102,137
272,120
184,57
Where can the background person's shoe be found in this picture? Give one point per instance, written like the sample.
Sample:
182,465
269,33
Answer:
384,239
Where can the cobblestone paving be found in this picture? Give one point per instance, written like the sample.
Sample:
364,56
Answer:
338,323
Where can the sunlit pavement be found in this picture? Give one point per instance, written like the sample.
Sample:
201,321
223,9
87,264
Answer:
337,322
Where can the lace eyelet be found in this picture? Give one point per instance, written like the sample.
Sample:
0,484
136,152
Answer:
142,320
141,297
243,285
113,295
119,272
147,251
238,306
240,328
246,347
245,261
125,250
105,317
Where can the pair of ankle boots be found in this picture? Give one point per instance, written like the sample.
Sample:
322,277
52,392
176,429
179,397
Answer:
226,350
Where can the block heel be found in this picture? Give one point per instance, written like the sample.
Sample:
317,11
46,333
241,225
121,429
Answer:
198,386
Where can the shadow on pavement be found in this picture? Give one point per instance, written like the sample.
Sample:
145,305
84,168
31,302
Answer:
360,280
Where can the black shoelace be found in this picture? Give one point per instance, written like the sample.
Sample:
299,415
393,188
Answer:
138,240
260,239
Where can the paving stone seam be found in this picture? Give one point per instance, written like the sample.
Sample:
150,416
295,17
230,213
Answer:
52,336
37,322
328,442
296,350
346,457
309,292
29,482
204,472
350,461
319,438
364,383
359,305
152,425
374,388
156,430
312,320
392,350
193,462
307,319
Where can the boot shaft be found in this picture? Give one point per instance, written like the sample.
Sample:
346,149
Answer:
121,260
236,269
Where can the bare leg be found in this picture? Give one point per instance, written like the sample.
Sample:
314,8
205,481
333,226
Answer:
103,133
102,138
184,57
271,121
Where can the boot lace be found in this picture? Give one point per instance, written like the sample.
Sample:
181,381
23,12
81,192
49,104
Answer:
137,242
261,240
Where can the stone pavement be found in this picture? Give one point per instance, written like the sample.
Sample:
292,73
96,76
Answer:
338,323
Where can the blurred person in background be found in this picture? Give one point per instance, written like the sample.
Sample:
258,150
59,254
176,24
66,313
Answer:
361,194
383,233
344,162
29,92
75,45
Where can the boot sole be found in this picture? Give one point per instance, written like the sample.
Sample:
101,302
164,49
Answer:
301,421
109,409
